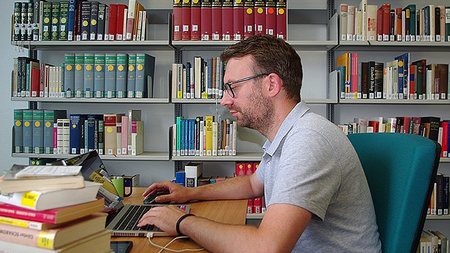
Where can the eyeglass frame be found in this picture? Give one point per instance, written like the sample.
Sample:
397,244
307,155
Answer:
230,90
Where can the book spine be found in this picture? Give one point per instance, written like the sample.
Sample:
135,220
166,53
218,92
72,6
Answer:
55,20
101,21
47,15
131,75
27,131
186,20
227,20
196,20
177,19
93,20
79,75
71,19
49,117
77,122
26,236
38,131
121,76
69,74
206,20
63,20
260,17
88,75
271,18
18,131
249,18
121,9
110,134
112,21
238,20
99,75
110,75
85,20
216,20
17,21
101,137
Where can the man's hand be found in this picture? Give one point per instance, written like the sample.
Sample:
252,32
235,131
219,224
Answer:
178,193
165,218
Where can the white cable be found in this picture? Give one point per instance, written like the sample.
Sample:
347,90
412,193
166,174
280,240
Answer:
171,250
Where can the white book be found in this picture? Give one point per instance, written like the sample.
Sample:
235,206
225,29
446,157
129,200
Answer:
66,136
371,22
183,86
139,28
193,172
174,80
234,138
202,137
403,26
43,200
144,31
432,23
363,8
130,17
174,139
350,22
358,22
343,12
137,139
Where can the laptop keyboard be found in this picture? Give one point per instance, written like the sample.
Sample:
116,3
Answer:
131,218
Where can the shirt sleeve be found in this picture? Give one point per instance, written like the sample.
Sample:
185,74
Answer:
308,174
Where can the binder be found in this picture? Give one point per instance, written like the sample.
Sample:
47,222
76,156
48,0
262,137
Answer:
260,17
216,20
249,18
238,20
186,20
206,20
196,20
227,20
271,18
177,19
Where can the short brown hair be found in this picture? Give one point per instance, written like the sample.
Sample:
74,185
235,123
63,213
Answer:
271,55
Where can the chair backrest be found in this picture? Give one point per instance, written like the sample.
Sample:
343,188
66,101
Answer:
400,170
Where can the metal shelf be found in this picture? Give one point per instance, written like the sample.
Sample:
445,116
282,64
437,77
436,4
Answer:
101,45
392,46
94,100
394,101
241,156
438,217
146,156
255,216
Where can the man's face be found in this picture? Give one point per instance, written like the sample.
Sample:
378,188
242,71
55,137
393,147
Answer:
250,106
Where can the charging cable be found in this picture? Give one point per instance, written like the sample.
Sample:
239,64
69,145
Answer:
150,236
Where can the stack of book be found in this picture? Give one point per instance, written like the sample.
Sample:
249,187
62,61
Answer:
43,213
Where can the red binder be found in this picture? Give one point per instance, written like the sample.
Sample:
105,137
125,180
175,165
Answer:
281,19
260,17
206,22
195,19
386,20
35,82
238,19
112,21
227,19
380,24
249,18
119,22
186,20
271,18
177,23
216,17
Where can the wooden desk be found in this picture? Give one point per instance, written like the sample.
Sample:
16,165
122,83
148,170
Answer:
224,211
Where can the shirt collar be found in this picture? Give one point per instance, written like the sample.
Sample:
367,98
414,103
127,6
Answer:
297,112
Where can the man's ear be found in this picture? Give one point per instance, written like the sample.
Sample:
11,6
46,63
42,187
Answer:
274,84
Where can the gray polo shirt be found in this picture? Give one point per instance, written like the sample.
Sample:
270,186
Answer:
313,165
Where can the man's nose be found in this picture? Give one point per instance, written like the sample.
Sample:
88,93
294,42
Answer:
226,99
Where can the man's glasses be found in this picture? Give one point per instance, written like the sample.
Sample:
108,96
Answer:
230,90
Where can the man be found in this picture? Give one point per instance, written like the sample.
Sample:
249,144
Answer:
316,192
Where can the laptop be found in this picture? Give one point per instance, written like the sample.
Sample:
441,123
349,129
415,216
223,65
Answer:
124,222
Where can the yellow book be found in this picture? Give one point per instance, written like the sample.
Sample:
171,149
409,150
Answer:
209,134
96,177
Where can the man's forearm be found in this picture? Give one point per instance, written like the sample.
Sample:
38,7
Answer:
234,188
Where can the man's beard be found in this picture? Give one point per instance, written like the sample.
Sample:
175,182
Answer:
258,115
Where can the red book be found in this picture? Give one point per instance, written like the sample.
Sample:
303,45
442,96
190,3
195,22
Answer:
186,20
257,205
216,20
375,125
177,21
53,216
406,125
354,73
380,24
240,169
55,138
248,168
35,82
112,26
398,24
195,20
250,206
444,151
386,20
271,18
255,167
249,18
206,22
260,17
281,19
238,19
412,81
119,21
227,19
